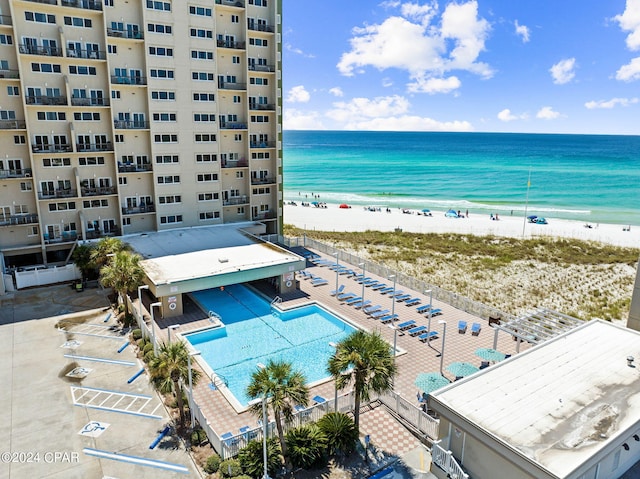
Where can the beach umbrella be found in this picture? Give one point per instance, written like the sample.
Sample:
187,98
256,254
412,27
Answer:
429,382
315,203
426,210
532,217
344,206
489,354
451,214
461,370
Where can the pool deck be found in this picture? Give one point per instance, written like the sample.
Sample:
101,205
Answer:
416,357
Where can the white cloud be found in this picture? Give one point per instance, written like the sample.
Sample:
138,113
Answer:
547,113
409,123
630,71
387,82
383,106
608,104
506,115
630,22
301,120
416,44
522,31
434,85
297,51
298,94
563,71
336,91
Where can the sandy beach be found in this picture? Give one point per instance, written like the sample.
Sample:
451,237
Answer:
357,218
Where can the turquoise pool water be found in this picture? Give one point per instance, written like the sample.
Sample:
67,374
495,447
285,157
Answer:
252,335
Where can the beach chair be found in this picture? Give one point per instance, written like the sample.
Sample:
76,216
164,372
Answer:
380,314
398,292
319,282
335,292
475,329
417,330
361,304
462,327
345,296
353,300
371,284
402,298
406,325
386,290
363,280
389,318
248,433
319,400
229,439
378,286
346,271
436,312
423,309
412,301
358,276
372,309
426,337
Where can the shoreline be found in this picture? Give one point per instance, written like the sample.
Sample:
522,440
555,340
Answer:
357,218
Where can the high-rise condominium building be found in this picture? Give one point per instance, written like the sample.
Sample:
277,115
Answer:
126,116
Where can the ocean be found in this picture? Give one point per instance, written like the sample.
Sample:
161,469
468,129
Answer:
590,178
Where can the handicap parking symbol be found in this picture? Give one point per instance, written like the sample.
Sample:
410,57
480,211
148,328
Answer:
94,428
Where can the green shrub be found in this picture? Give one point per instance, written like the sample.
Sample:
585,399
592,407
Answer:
250,458
213,464
147,347
148,356
243,476
230,468
136,334
198,437
340,432
306,445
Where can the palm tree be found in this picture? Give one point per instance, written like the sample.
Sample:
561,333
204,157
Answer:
104,248
123,273
82,258
284,388
364,359
170,368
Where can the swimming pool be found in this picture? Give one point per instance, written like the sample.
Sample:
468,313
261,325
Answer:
253,334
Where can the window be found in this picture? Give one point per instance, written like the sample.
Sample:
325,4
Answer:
163,6
91,161
166,138
113,49
26,186
258,3
235,60
122,181
164,117
56,162
202,76
201,33
208,196
168,180
209,215
262,155
115,94
205,137
126,221
19,139
170,199
86,116
161,73
108,3
262,191
95,203
204,97
235,19
202,11
237,99
6,39
9,115
204,117
159,28
45,68
164,159
258,81
81,70
259,119
205,157
258,42
52,115
163,95
64,206
201,55
161,51
241,210
77,22
206,177
237,137
119,138
39,17
13,91
239,174
170,219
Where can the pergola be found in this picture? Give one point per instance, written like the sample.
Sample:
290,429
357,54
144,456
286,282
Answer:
537,327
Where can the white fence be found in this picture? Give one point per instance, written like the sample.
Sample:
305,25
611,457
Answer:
411,414
142,324
43,275
445,461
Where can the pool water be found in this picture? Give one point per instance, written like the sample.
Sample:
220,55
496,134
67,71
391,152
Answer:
253,335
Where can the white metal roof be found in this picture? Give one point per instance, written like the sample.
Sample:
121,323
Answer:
558,403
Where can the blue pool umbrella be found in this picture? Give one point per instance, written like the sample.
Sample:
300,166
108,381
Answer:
462,369
429,382
489,354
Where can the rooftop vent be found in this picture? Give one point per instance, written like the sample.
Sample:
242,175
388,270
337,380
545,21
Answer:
226,260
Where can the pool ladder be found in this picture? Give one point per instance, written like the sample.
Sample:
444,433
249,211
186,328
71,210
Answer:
218,380
276,300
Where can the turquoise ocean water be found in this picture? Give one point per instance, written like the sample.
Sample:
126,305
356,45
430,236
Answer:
589,178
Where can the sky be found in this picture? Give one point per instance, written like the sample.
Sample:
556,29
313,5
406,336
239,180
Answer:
531,66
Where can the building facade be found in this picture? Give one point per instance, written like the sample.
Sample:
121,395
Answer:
125,116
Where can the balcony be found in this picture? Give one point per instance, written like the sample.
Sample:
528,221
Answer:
46,100
131,168
231,44
262,181
135,35
127,80
262,106
108,146
98,191
77,101
36,50
10,74
232,125
231,86
130,125
61,148
262,68
57,193
134,210
87,54
262,144
5,20
267,215
258,27
12,125
48,2
14,220
96,234
230,3
85,4
23,173
241,163
238,200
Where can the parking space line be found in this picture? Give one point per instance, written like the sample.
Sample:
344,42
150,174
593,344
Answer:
142,461
135,404
100,360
